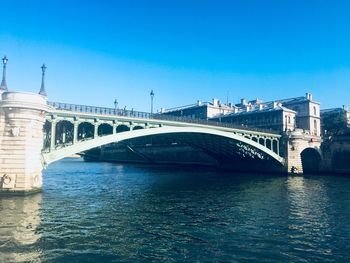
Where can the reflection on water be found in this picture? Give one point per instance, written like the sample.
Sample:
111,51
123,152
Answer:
309,217
130,213
19,221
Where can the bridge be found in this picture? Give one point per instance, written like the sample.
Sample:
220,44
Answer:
35,133
71,129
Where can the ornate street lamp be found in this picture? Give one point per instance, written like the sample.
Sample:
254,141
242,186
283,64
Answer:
152,96
42,88
3,85
115,106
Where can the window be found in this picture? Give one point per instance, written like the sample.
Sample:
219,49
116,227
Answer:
315,110
288,119
315,127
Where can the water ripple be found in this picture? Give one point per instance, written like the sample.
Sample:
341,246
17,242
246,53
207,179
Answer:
100,212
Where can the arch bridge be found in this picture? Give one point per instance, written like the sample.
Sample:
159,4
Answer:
71,129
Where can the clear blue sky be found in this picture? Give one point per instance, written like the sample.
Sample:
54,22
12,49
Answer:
184,50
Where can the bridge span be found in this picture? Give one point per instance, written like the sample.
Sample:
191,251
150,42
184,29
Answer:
35,133
72,129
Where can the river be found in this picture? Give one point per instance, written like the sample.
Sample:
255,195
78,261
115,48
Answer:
105,212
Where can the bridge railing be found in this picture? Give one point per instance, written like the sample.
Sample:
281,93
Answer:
147,115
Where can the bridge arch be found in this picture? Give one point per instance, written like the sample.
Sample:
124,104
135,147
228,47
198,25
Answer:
122,128
138,127
47,134
244,146
64,132
268,144
261,141
311,160
104,129
275,146
85,130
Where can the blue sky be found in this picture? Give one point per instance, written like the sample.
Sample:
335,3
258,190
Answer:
97,51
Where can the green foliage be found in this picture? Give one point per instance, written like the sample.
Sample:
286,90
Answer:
335,124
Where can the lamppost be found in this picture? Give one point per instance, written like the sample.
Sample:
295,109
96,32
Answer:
42,88
3,85
152,96
115,105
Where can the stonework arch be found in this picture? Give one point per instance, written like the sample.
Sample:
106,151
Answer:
311,160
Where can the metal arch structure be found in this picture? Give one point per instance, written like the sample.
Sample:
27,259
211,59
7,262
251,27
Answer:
60,142
247,144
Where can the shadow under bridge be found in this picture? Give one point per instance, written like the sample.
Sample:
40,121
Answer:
229,150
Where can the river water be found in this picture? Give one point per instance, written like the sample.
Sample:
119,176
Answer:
105,212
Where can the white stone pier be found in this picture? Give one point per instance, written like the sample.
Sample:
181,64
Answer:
22,116
296,142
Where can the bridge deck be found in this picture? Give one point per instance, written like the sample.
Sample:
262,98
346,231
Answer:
149,116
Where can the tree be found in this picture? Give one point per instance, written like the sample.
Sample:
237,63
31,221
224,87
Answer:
335,123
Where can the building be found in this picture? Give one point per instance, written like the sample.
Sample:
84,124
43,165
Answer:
270,115
308,113
201,110
280,115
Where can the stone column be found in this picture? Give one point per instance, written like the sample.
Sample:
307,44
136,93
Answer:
294,145
96,124
22,117
115,124
75,131
53,135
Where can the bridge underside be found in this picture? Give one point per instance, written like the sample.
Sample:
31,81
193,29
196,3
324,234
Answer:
188,148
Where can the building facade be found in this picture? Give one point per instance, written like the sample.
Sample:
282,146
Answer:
201,110
280,115
308,113
264,116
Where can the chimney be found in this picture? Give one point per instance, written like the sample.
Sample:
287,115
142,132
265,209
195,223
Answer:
308,96
199,103
345,107
215,102
243,102
275,104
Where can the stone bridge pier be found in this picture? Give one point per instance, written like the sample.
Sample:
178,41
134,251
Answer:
302,152
22,116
